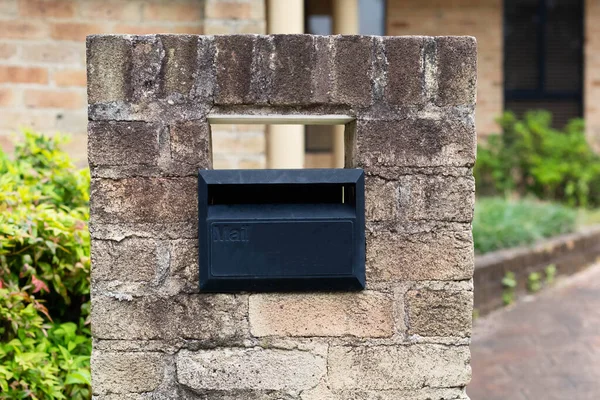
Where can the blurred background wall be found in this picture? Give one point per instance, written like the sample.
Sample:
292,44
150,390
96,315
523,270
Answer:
532,54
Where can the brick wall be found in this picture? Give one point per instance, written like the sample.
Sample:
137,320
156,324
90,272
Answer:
591,86
42,58
405,337
479,18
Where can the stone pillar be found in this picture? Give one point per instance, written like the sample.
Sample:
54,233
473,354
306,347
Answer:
285,143
405,337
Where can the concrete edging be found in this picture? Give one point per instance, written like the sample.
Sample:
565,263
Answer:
569,253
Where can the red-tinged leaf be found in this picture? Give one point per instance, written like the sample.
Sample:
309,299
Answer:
41,308
39,285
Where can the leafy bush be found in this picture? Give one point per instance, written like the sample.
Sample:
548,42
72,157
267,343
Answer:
532,158
44,273
499,223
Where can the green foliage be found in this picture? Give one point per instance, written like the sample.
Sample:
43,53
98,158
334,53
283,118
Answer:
44,273
550,271
534,282
499,223
532,158
509,283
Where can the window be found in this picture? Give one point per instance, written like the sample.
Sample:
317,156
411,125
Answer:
543,57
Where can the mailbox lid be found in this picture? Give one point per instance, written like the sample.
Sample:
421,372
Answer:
281,230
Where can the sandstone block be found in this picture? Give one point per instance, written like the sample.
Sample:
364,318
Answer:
295,64
398,367
439,312
422,142
147,59
181,59
352,70
109,63
323,393
131,260
366,314
258,369
190,145
405,70
144,200
212,318
437,198
183,264
382,199
423,256
242,394
204,87
234,72
457,70
123,143
122,372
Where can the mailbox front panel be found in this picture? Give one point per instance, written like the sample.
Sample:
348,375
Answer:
303,231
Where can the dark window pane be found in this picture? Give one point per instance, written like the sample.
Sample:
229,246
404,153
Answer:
521,44
543,57
563,45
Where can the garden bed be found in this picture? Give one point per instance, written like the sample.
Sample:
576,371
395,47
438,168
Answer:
566,254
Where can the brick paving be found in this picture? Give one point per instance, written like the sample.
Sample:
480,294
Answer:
544,348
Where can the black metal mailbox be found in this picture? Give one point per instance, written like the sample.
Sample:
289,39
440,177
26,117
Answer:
281,230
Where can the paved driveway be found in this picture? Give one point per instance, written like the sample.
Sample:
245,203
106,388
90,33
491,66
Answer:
546,348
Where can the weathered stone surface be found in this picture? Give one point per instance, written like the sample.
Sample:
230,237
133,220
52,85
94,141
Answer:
398,367
205,74
118,372
382,199
424,256
367,314
109,64
322,392
187,394
215,318
405,70
157,230
439,312
139,200
147,58
124,143
259,369
422,142
190,144
133,260
180,63
183,264
233,67
457,70
437,198
295,61
352,70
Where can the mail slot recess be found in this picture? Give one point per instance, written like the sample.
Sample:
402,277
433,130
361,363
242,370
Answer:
281,230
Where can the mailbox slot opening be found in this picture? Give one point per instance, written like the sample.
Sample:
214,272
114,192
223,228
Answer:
282,194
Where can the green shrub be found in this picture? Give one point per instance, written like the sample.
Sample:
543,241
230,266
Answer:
532,158
44,273
499,223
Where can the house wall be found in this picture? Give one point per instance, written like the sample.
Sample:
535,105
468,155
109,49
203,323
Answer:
42,61
591,67
479,18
